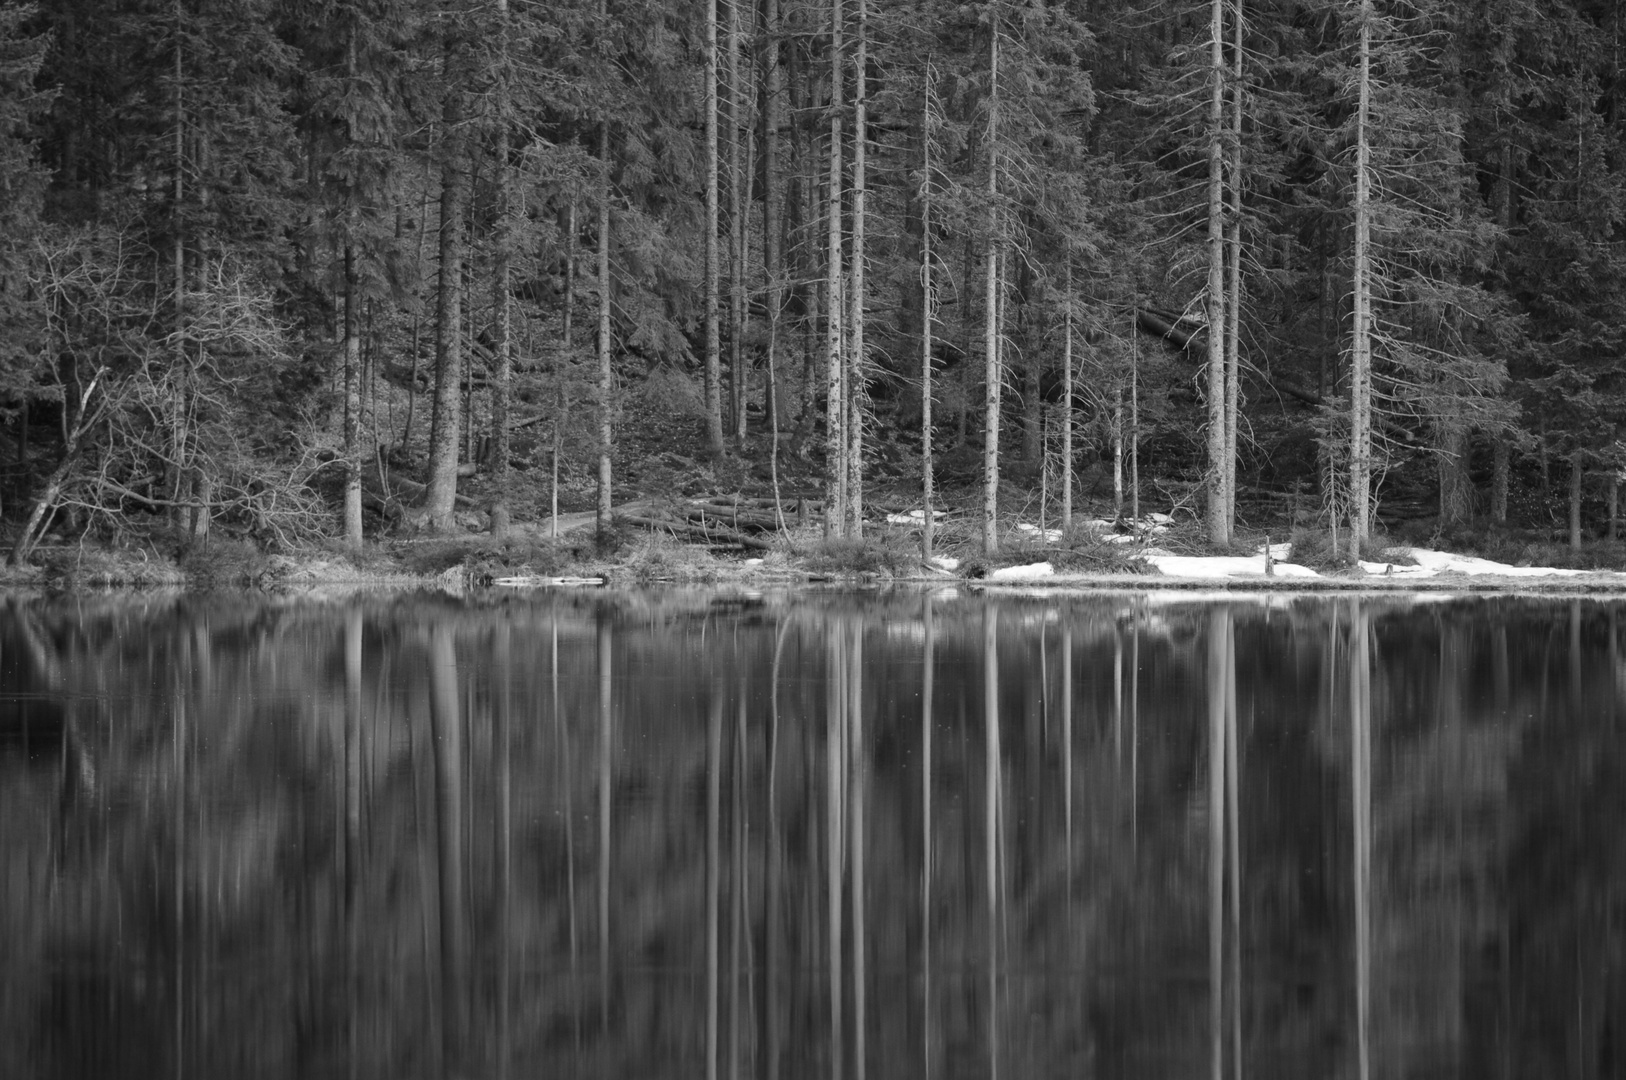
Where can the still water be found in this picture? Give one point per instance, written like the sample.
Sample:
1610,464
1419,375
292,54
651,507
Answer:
840,836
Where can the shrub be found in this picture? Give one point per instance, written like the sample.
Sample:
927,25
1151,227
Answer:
888,553
221,561
1313,548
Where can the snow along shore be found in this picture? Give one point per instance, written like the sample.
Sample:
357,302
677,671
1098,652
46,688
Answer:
1422,563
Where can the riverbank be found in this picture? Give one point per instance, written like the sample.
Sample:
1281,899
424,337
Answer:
1160,557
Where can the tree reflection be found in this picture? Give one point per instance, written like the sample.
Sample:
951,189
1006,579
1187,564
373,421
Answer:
817,835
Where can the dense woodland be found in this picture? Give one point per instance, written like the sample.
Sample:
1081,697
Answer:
310,268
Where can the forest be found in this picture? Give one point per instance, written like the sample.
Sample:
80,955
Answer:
319,270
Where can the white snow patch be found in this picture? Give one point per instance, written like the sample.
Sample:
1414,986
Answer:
912,517
945,562
1201,566
1441,562
1051,536
1030,572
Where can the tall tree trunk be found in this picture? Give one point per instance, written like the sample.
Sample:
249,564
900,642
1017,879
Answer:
1067,405
179,403
1219,525
1134,424
835,381
772,197
926,525
606,375
1614,503
1577,473
1120,439
1501,467
1233,318
1360,382
714,374
737,171
1456,487
502,292
857,392
1501,448
443,436
352,344
352,399
992,376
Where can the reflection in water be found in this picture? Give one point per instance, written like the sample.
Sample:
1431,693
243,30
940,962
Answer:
817,835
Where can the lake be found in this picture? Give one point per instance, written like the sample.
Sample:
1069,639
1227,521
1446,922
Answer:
812,834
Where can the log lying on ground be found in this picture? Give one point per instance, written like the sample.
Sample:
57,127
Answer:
711,534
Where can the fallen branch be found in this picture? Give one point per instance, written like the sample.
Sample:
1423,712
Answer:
712,535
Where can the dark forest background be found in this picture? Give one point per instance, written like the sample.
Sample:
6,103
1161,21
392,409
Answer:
300,269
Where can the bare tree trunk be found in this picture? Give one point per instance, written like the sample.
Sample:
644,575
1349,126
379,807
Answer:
1233,319
352,400
502,294
1134,423
1219,525
1360,388
178,268
992,375
857,363
1501,467
606,374
714,374
1456,487
926,525
1067,407
1614,503
737,205
772,198
1577,472
443,438
1119,441
835,430
352,349
29,535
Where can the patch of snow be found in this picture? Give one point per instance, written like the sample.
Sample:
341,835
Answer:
912,517
1381,569
1051,536
752,562
945,562
1201,566
1030,572
1442,562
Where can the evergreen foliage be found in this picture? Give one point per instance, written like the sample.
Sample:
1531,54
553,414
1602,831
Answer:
325,251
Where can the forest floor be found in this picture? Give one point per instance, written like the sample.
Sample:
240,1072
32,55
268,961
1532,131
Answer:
754,519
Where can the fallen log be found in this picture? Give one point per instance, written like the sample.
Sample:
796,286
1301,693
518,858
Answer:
718,534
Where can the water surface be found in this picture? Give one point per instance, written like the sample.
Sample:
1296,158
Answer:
834,835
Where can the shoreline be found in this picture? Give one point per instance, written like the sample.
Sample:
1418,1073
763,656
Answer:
473,566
